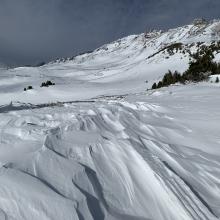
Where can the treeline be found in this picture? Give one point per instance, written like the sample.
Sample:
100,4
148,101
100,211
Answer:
199,69
168,79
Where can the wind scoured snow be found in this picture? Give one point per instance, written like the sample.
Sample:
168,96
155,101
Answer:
129,159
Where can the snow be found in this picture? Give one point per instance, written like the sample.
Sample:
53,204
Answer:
97,145
121,67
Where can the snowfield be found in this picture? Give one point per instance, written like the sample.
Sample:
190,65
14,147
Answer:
98,146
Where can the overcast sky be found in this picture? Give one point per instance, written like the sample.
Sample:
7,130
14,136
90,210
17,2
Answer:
41,30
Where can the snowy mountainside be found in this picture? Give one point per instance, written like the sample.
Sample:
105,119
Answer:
98,146
121,67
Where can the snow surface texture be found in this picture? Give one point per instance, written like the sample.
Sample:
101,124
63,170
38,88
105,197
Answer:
124,153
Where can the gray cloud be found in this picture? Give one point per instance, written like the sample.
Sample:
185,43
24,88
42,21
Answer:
32,31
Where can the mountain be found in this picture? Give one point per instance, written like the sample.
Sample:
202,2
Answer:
121,67
89,142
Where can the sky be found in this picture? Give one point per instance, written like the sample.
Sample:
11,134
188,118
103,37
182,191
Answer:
32,31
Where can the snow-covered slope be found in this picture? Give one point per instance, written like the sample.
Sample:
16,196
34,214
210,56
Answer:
113,150
121,67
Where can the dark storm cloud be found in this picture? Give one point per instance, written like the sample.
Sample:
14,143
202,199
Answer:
35,30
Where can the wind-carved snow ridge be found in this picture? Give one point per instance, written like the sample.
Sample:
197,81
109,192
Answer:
98,146
111,160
